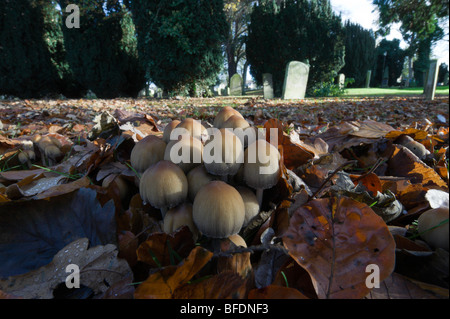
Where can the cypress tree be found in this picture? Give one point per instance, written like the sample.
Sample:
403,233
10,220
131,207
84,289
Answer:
179,41
359,52
26,68
302,30
102,53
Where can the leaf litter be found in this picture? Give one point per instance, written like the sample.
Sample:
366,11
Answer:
350,195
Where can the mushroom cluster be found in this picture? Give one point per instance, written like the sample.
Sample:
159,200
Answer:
210,179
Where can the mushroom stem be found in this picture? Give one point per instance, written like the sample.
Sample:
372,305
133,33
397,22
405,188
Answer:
163,211
259,196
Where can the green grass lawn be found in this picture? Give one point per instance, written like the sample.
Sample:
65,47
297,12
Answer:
440,90
393,91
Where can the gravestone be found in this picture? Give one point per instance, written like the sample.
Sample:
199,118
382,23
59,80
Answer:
431,81
268,86
236,85
295,80
368,77
341,81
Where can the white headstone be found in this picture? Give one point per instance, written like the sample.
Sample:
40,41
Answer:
430,85
236,85
295,80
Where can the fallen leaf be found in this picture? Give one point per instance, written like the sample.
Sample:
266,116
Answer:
99,268
32,232
334,240
164,283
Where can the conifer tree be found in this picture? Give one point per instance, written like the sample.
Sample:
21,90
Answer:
179,41
359,52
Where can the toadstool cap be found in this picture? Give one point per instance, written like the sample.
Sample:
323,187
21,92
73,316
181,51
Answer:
218,210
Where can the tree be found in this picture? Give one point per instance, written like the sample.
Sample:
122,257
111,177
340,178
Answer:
418,23
359,52
394,60
179,41
26,68
302,30
102,53
238,15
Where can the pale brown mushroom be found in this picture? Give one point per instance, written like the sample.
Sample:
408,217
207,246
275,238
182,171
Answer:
193,127
224,114
218,210
179,216
163,185
223,154
168,130
186,152
261,167
197,178
433,227
147,152
250,202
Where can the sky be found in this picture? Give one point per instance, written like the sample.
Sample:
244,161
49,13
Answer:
363,12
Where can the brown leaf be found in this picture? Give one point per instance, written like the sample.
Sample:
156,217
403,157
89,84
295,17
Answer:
334,240
404,163
294,154
226,285
372,129
397,286
162,284
158,250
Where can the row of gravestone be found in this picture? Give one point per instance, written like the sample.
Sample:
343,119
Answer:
296,79
294,86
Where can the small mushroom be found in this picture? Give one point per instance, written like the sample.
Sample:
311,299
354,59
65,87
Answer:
250,202
168,129
433,227
163,186
194,128
186,152
147,152
224,114
197,178
180,216
223,154
50,148
261,167
218,210
235,121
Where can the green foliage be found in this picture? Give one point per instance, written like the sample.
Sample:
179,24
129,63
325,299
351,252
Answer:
395,59
102,53
179,41
418,19
330,88
359,52
26,68
300,30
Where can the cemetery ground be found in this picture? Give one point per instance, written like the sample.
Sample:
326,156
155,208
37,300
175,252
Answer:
342,218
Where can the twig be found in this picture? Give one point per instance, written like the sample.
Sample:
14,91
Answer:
374,167
332,175
250,249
